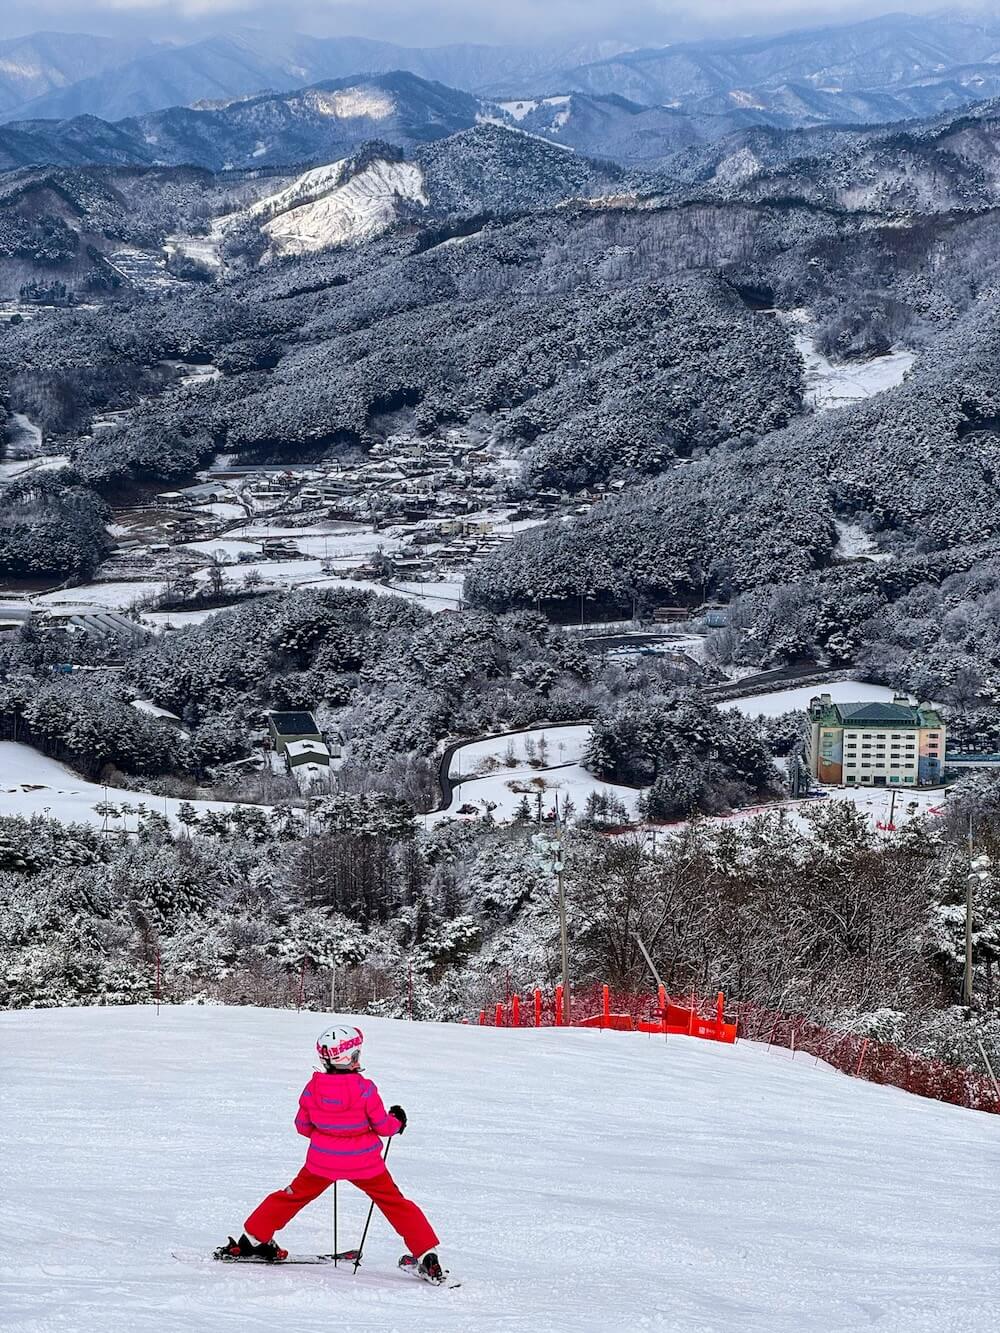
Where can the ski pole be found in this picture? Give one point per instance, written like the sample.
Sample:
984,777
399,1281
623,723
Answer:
371,1209
336,1247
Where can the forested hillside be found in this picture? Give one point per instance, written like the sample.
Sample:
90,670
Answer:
516,387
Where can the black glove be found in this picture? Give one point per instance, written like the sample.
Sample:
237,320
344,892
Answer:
400,1115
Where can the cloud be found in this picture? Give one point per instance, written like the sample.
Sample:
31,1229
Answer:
430,22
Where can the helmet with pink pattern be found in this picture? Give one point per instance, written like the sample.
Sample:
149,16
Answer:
339,1046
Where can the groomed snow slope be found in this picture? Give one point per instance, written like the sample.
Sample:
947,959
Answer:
580,1181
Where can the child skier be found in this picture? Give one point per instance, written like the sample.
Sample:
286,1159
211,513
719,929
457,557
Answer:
342,1116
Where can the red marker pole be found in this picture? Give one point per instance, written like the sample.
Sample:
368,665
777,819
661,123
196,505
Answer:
559,1006
720,1010
538,1008
482,1018
606,1004
498,1017
515,1011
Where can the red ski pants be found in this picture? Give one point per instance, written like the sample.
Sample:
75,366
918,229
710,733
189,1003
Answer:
278,1209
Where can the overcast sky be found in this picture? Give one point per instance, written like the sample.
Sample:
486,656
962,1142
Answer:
428,22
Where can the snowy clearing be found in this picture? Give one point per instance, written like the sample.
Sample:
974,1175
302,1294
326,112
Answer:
853,543
437,595
564,744
829,385
33,784
797,697
482,777
505,790
700,1187
111,596
360,207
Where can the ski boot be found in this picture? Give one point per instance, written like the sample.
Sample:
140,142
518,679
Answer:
266,1252
428,1268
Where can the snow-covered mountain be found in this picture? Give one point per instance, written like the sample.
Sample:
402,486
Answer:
335,205
943,164
490,168
45,64
879,70
320,123
244,62
696,1186
832,72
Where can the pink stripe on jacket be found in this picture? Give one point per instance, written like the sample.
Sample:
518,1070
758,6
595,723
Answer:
344,1120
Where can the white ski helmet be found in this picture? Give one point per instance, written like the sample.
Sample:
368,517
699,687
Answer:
339,1046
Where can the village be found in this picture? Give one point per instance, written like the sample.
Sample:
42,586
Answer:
411,517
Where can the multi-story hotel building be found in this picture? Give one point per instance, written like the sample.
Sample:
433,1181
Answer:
875,744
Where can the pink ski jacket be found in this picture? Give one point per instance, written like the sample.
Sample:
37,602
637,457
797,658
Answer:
343,1118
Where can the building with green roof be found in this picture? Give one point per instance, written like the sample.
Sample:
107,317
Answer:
876,744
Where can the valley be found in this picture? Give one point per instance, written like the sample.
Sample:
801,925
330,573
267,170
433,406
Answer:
466,510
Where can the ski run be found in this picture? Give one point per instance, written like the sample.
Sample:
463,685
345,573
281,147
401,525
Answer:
579,1181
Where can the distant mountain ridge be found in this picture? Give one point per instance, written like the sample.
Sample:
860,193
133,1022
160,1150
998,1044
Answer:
327,121
321,123
879,70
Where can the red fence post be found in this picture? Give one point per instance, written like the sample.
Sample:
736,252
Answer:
482,1018
720,1012
515,1011
498,1017
606,1003
559,1006
538,1008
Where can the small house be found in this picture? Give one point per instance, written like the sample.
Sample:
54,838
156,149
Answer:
285,728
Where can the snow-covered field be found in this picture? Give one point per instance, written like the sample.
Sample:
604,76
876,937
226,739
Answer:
580,1182
436,595
33,784
112,596
560,773
829,385
777,702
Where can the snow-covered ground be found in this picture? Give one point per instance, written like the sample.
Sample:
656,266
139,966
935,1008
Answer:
17,467
875,803
332,541
437,595
33,784
580,1182
830,385
482,776
777,702
853,543
177,619
112,596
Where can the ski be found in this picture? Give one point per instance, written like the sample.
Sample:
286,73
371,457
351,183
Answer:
198,1257
409,1264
